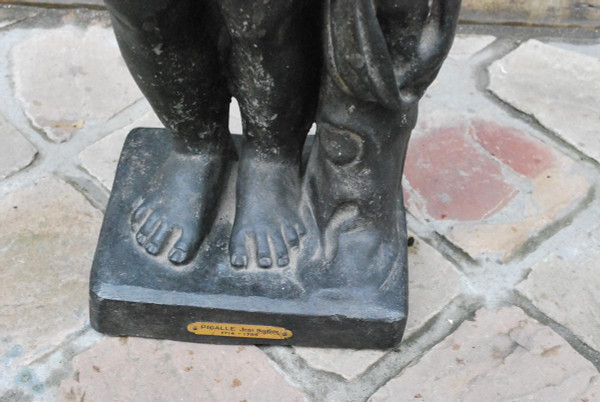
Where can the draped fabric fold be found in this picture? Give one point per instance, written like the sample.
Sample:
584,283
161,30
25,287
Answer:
356,53
387,51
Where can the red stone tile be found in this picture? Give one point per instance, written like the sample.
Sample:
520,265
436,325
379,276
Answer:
456,180
514,147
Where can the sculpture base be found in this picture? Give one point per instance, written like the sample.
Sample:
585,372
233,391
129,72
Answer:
207,300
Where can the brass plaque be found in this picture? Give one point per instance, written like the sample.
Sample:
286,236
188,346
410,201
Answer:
239,330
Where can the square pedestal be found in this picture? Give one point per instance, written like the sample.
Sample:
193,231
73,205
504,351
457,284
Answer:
209,301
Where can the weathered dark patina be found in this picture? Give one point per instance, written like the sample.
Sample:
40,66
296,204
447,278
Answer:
307,238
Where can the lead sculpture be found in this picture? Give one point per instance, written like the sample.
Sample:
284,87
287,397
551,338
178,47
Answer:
271,237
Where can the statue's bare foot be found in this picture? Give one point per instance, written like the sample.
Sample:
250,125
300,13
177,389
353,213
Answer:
267,223
181,199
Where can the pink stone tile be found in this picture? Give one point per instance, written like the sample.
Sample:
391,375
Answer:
134,369
514,147
502,355
455,178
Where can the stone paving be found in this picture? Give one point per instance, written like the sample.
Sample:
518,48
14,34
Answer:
501,184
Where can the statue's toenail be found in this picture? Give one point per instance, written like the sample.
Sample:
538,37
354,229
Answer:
177,256
238,261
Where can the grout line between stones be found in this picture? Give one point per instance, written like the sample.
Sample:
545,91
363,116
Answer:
70,339
500,48
53,371
449,250
86,187
127,109
313,382
537,125
580,347
535,242
33,164
459,310
322,386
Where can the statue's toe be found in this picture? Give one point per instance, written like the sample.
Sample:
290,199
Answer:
281,249
137,217
147,228
177,256
158,239
185,247
237,250
291,236
263,251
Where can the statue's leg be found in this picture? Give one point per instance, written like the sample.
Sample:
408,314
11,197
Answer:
169,50
381,56
274,65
